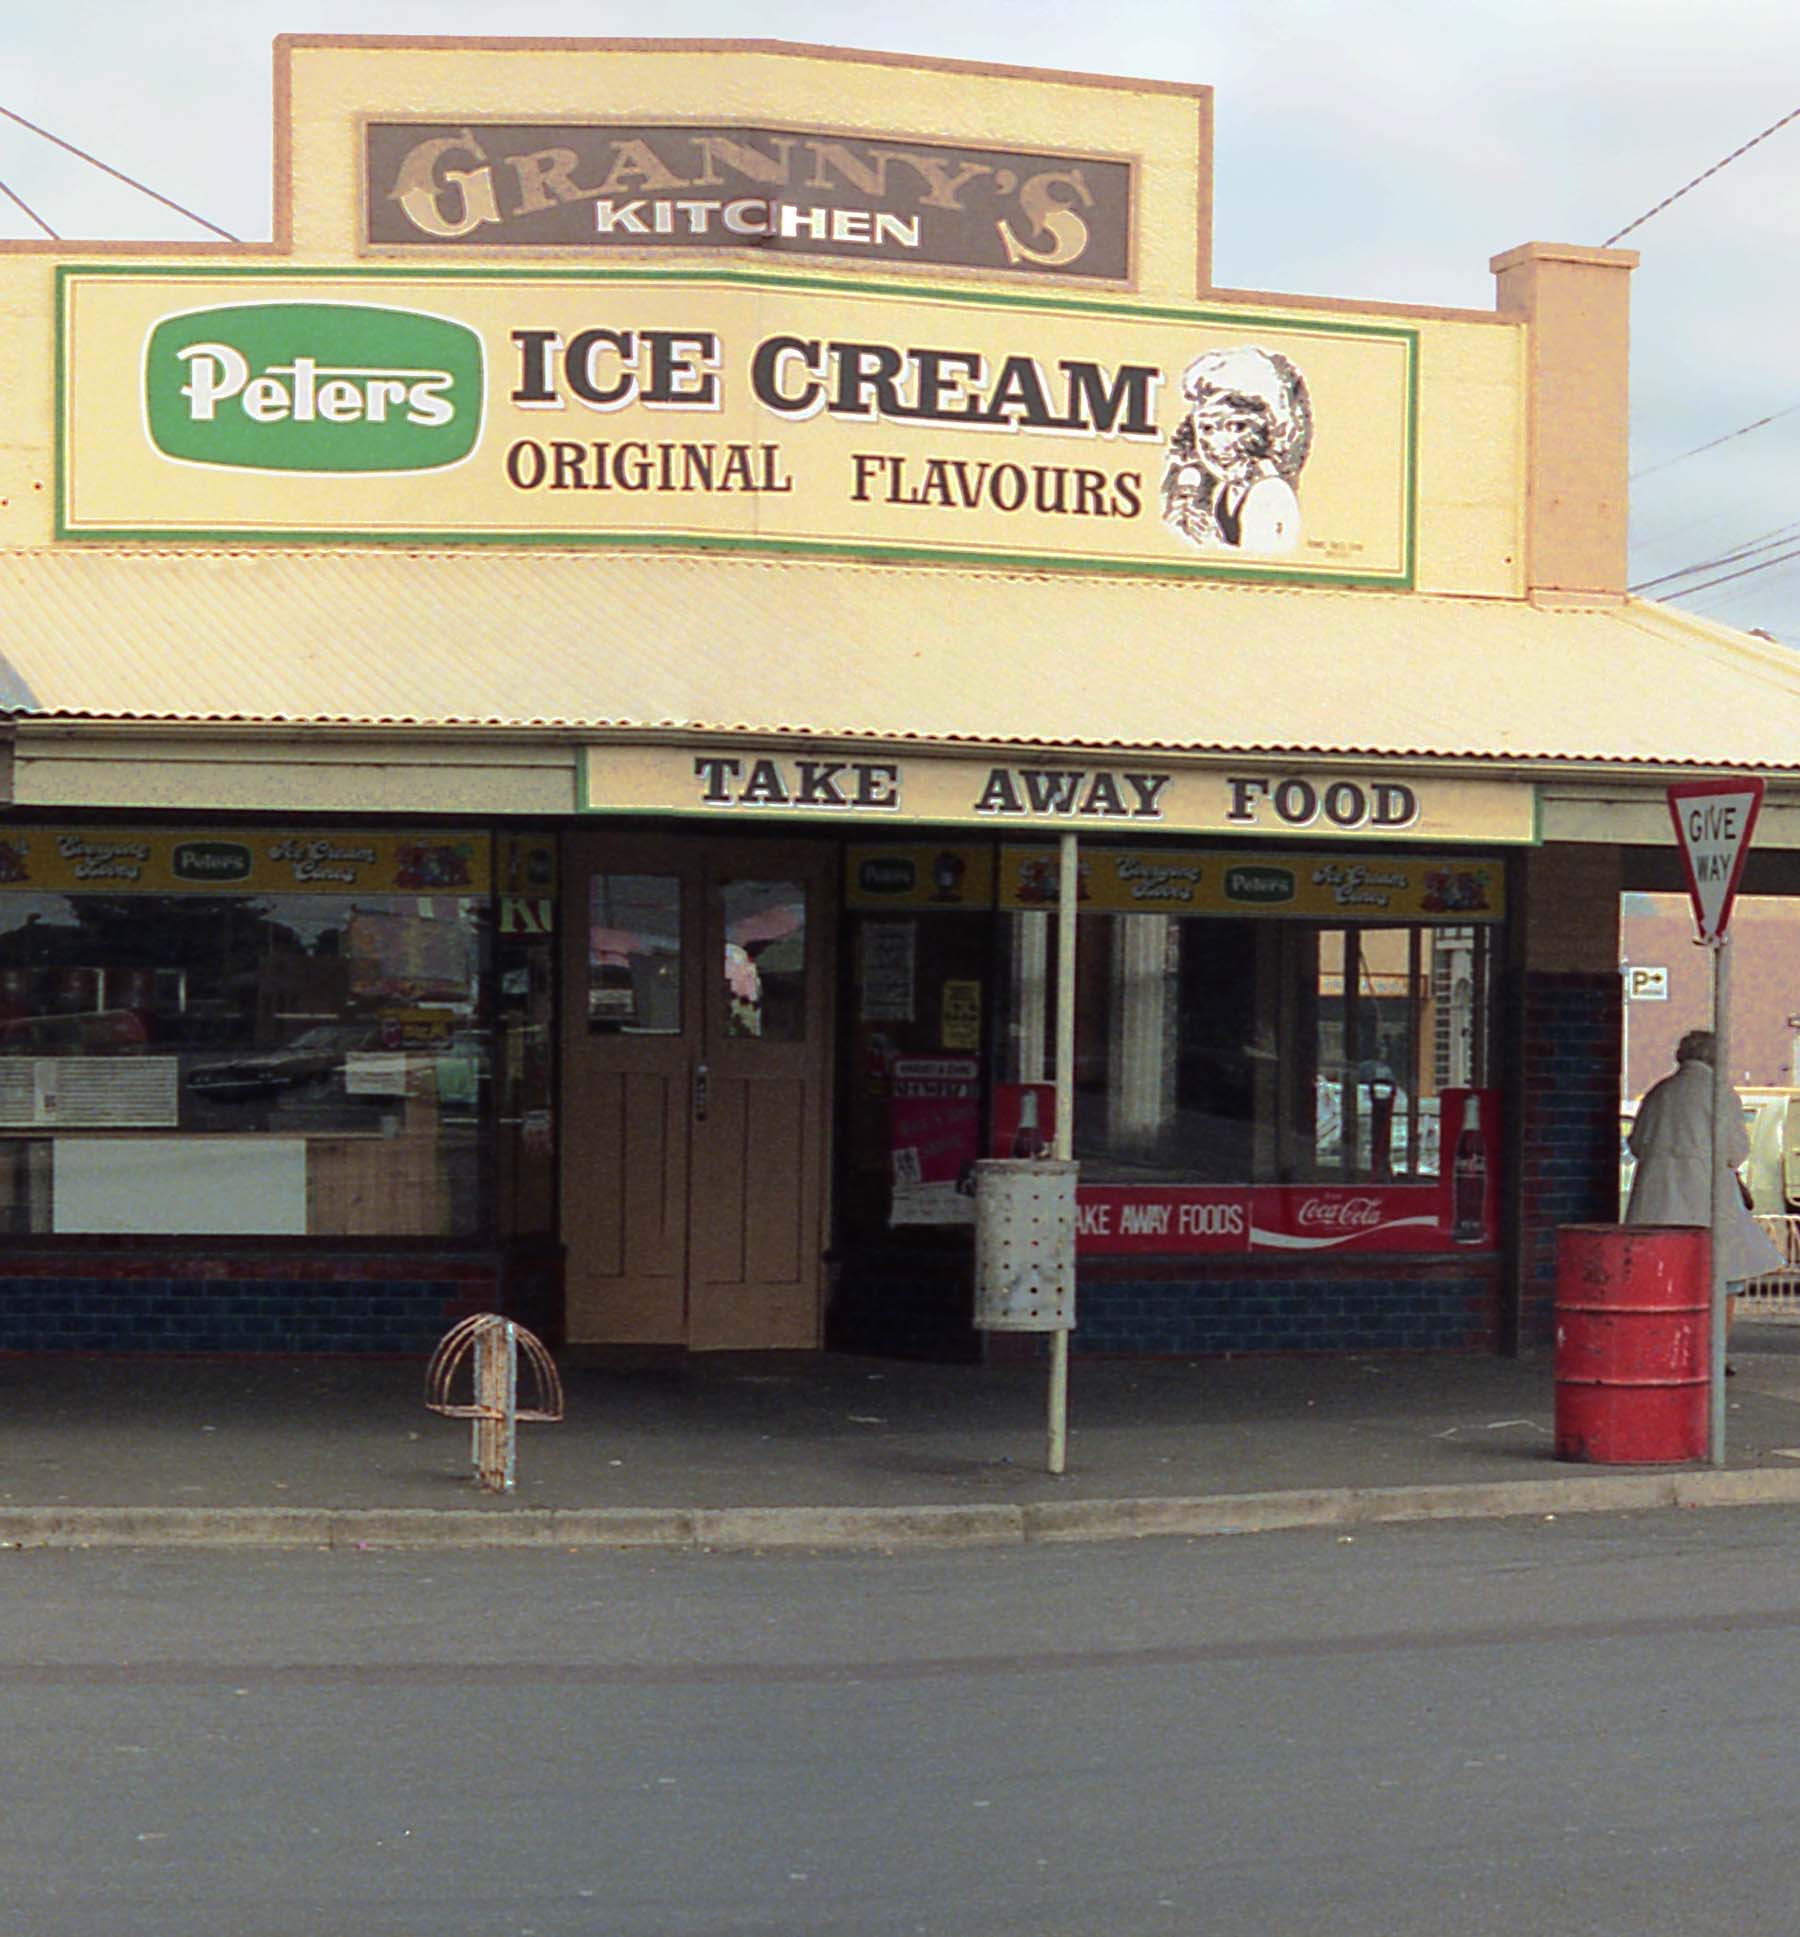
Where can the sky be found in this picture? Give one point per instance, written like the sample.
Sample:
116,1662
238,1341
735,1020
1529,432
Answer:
1372,149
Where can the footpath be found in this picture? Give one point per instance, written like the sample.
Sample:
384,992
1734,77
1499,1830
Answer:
749,1453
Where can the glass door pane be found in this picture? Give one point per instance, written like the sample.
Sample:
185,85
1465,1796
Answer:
634,955
765,959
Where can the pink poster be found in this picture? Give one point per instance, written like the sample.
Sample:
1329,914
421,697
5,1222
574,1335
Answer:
934,1127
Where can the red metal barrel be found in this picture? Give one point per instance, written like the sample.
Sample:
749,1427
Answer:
1632,1342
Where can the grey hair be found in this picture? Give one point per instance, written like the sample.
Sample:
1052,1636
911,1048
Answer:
1697,1046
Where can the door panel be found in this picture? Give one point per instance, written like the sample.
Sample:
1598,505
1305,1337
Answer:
630,1018
747,1194
696,1099
626,1240
773,1253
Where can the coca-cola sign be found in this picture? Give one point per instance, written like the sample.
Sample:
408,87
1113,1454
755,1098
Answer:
1335,1213
1301,1218
1196,1221
1212,1220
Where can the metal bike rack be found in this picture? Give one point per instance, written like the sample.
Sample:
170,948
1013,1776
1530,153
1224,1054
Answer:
493,1347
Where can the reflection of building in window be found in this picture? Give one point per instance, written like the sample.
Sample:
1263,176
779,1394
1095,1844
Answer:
765,959
743,992
1218,1050
1453,986
1029,1007
1140,1062
349,1023
634,954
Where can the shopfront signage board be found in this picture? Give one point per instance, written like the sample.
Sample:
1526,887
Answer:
1714,820
709,408
240,860
657,188
1117,799
1186,881
1316,887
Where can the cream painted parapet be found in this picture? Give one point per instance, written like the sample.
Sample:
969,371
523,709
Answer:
1577,305
799,117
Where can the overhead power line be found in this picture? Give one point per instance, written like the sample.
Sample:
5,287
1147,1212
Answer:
19,200
1746,571
118,174
1767,541
1793,114
1712,444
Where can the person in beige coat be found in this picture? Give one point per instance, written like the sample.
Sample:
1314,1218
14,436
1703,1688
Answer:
1672,1142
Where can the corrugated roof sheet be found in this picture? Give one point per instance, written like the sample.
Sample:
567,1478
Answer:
513,638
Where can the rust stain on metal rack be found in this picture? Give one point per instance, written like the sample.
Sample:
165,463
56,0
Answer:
493,1346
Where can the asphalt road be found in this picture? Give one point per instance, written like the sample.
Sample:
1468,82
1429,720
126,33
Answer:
1571,1726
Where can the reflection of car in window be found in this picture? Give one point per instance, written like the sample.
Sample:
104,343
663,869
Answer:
317,1056
313,1054
90,1032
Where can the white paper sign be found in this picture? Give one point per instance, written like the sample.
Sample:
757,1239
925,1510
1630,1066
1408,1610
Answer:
374,1072
888,968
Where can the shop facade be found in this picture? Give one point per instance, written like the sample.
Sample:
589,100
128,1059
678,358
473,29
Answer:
543,706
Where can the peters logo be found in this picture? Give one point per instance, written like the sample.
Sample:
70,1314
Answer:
345,388
1259,884
888,876
212,861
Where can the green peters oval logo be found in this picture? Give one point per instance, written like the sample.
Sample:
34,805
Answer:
1259,884
211,861
892,875
325,387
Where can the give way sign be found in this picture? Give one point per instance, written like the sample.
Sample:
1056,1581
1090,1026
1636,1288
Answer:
1713,823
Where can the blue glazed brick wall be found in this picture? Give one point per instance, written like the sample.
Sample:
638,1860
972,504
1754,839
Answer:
905,1305
1360,1314
1568,1127
186,1304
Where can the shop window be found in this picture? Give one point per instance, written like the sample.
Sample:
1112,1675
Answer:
257,1061
919,965
526,905
1214,1050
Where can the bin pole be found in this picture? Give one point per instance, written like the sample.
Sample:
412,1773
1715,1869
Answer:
1724,1100
1068,896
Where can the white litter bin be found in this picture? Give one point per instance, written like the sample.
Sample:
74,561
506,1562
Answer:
1025,1245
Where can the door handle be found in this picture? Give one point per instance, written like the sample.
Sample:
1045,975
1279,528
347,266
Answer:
702,1091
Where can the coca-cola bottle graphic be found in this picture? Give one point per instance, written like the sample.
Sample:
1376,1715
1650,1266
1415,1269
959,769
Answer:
1381,1130
1468,1179
1028,1140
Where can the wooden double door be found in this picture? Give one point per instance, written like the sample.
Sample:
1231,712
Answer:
697,1014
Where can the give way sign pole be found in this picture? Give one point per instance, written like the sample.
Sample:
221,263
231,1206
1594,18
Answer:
1714,820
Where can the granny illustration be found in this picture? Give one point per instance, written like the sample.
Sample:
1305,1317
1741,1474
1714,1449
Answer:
1232,469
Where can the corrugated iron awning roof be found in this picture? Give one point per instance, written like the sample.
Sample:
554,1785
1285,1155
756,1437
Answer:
703,644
